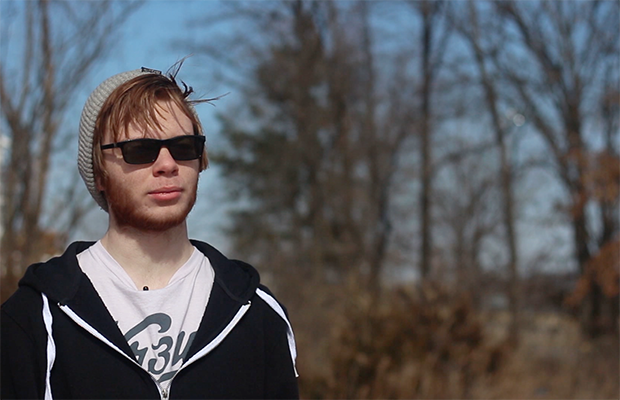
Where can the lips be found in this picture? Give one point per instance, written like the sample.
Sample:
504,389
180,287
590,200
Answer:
166,193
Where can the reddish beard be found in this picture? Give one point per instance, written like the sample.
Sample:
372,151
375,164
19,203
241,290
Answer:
127,214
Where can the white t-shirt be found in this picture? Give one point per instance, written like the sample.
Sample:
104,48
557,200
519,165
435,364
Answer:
159,325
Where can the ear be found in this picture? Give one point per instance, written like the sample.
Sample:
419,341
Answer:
99,183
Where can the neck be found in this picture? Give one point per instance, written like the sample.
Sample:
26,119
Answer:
149,258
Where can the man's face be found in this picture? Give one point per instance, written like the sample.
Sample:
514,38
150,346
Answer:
156,196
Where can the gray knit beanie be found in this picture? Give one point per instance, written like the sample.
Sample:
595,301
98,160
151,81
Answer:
87,127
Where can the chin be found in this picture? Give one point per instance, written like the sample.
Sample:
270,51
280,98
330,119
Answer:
150,218
160,224
150,222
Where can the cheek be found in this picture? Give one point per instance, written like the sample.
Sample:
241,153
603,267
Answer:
195,178
109,179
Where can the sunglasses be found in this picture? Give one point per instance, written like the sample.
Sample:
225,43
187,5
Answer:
146,151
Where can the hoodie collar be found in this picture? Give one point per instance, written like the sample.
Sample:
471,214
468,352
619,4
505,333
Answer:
60,277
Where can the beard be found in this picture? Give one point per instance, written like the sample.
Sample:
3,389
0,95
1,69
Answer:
127,214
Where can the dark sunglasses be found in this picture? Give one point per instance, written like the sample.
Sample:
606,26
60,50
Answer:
146,151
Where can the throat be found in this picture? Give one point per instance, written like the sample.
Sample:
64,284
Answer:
150,266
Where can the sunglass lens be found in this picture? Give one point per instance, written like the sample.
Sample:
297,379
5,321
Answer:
186,147
141,151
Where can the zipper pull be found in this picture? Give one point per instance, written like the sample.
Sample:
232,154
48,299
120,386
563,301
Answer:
164,394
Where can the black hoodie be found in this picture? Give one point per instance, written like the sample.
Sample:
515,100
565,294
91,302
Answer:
59,340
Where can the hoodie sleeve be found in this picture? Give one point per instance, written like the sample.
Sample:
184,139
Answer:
23,347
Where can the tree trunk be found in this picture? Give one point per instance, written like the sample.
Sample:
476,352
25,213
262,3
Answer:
425,141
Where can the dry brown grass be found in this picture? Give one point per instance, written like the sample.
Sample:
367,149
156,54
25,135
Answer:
552,361
432,344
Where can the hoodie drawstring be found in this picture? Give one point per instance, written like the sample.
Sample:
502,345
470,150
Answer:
289,333
51,346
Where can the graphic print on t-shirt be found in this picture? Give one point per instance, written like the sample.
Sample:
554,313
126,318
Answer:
166,353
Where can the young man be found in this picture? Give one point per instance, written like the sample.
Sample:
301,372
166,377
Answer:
144,312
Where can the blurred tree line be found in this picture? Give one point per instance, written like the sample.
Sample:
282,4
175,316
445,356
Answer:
373,142
378,134
372,139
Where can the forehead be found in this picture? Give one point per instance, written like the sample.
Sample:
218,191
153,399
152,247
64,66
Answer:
166,119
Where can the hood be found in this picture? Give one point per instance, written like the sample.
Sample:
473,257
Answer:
59,278
238,279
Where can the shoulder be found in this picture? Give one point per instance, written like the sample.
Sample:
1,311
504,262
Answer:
276,321
22,315
58,278
240,281
266,296
25,301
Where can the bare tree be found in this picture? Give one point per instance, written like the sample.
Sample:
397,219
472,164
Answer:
465,199
484,53
433,41
314,93
568,55
312,151
60,41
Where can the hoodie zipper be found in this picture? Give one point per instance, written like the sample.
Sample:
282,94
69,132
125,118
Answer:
163,392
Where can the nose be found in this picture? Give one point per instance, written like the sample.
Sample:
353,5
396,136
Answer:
165,164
